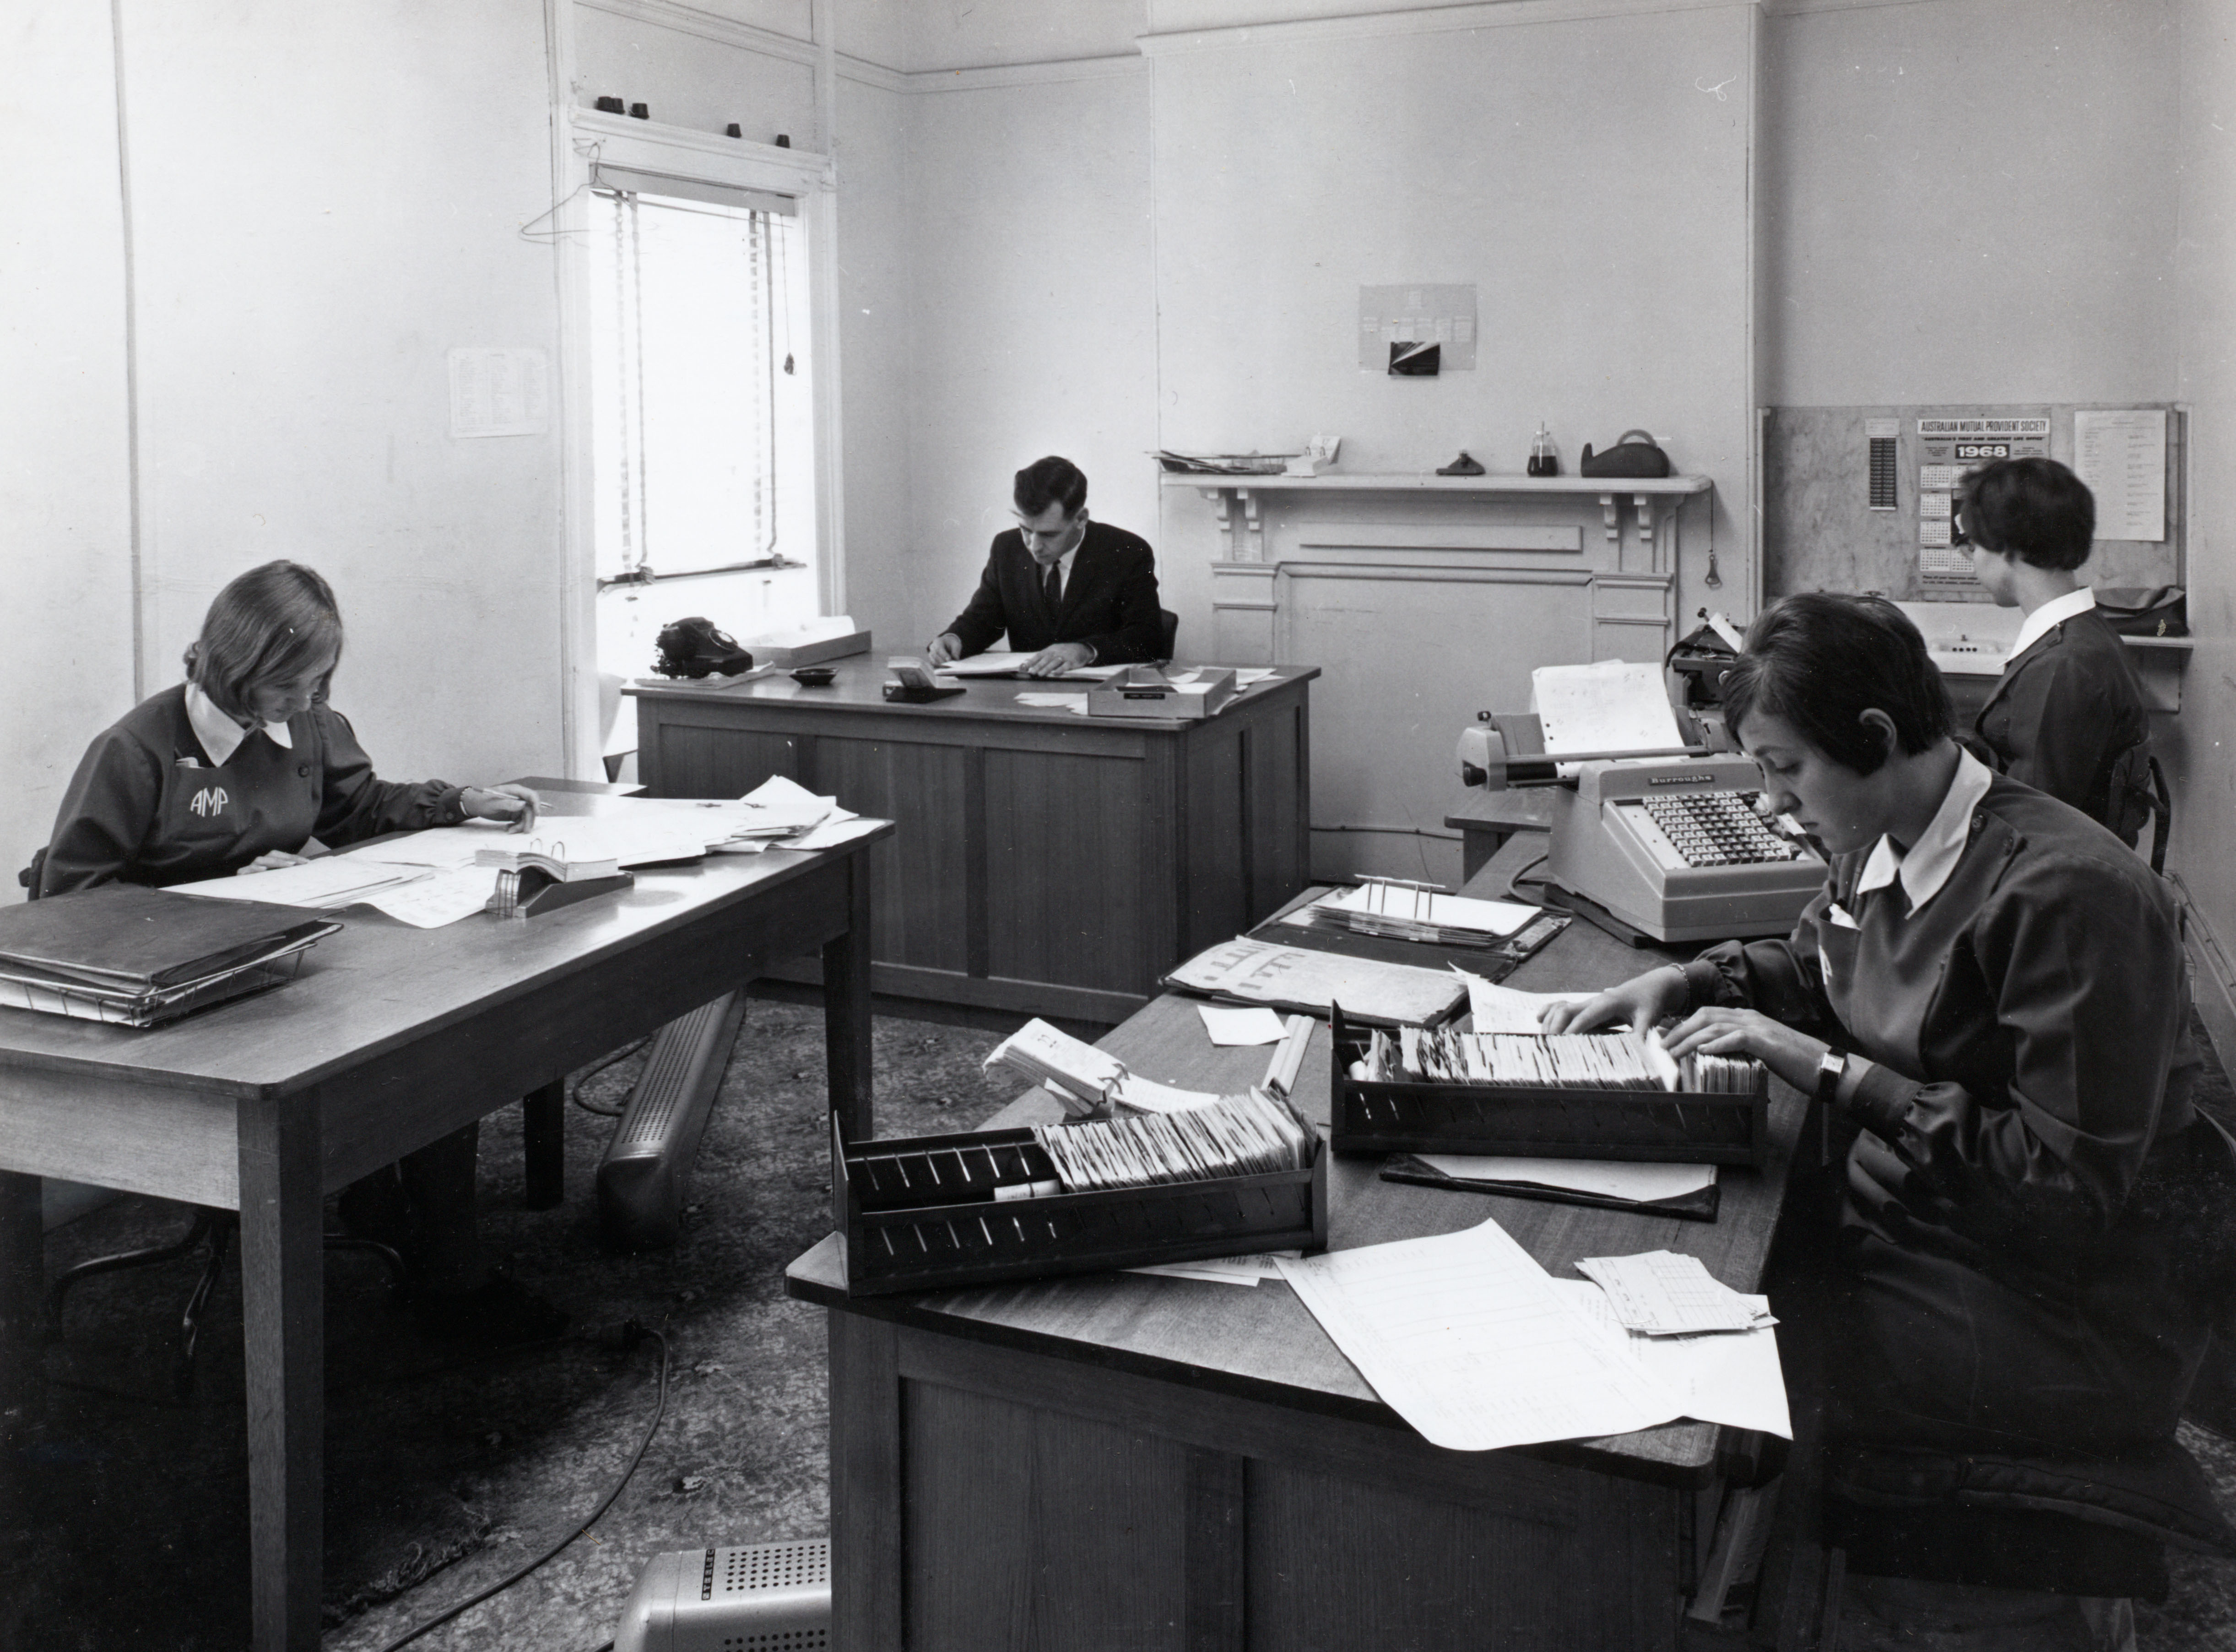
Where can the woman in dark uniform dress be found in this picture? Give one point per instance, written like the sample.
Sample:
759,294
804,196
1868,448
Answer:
235,770
1988,997
2068,716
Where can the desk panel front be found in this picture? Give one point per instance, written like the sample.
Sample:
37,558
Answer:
1045,862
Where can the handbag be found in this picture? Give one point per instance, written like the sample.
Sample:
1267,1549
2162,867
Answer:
2154,610
1627,458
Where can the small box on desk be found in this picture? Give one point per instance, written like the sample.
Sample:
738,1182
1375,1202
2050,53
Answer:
922,1214
1540,1121
1144,691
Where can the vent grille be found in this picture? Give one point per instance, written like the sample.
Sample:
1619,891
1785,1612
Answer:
1883,472
775,1565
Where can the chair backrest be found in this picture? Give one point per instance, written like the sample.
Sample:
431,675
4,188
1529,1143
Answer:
30,876
1170,622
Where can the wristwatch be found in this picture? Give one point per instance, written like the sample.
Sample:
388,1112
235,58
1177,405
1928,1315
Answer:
1832,1067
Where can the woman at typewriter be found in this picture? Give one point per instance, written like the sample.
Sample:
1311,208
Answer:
2023,1234
235,770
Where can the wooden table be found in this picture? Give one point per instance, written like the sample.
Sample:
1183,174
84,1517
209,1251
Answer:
1046,864
391,1037
1129,1461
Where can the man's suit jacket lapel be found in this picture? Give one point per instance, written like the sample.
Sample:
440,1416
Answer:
1086,565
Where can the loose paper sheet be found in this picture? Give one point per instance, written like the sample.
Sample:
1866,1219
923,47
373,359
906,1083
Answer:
442,848
1076,704
439,899
1232,1027
1734,1379
317,886
1492,1008
1005,663
1468,1338
1643,1183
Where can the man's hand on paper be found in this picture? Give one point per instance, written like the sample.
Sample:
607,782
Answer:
1639,1001
944,648
1058,658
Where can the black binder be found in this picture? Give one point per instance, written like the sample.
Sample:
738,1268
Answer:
126,937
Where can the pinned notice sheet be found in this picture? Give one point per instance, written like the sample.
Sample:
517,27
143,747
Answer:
2122,454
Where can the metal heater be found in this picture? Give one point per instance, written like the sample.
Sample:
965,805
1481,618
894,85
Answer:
646,1171
764,1597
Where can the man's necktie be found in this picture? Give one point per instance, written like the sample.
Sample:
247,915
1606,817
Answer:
1053,585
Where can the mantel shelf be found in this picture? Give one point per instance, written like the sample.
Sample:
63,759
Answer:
1589,486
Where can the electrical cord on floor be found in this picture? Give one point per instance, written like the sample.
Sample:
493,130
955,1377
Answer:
623,1337
595,1068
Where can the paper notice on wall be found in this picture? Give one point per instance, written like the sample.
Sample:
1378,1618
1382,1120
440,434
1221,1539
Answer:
2122,454
499,392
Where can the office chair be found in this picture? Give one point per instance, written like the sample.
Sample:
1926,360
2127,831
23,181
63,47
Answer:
210,1225
1170,622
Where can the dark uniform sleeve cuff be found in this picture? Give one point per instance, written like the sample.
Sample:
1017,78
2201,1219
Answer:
450,805
1881,1099
1703,982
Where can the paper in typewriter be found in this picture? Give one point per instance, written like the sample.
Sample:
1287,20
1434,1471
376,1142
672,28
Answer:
1609,706
1470,1342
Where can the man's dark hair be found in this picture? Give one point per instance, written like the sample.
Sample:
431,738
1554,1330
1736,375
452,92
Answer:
1051,481
2034,509
1821,660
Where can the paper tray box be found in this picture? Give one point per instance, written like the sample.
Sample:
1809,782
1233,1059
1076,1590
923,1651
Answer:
895,1243
1679,1127
1144,691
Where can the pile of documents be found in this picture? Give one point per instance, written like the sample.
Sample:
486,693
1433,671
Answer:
436,877
136,956
1083,1079
1411,912
1296,977
1666,1294
1476,1347
1625,1060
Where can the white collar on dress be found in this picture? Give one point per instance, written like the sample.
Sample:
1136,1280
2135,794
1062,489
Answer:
2039,624
220,736
1934,856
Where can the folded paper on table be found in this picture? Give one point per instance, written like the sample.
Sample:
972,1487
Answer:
1666,1294
1076,704
1295,977
1224,1270
440,897
1241,1027
1734,1379
1469,1340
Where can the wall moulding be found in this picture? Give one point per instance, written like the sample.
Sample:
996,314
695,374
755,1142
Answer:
1426,20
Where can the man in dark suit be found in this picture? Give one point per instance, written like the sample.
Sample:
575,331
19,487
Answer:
1069,591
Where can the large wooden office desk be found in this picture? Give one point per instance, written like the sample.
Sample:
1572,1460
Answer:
1139,1462
391,1037
1046,864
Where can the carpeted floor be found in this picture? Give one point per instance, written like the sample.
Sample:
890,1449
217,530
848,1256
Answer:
130,1526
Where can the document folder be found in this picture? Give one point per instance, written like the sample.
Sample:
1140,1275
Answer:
127,938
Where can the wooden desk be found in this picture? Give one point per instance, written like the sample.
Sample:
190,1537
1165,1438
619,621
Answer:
391,1037
1129,1461
1046,864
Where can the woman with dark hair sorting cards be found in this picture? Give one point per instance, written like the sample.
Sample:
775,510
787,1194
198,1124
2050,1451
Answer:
235,770
2028,1221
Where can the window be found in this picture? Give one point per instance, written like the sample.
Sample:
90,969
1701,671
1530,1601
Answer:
701,415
